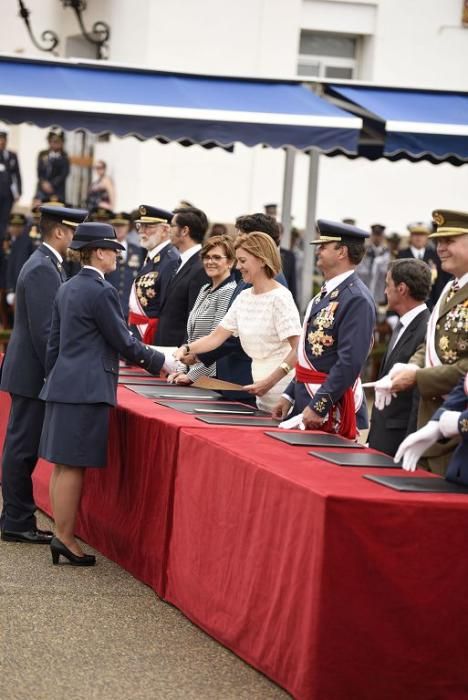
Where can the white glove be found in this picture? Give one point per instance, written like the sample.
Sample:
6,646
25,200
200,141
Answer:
171,365
383,392
294,422
416,444
10,298
448,423
400,366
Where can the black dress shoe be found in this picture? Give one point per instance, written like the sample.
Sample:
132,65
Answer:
34,536
58,549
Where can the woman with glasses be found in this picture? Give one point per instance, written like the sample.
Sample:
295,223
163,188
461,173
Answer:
264,317
210,307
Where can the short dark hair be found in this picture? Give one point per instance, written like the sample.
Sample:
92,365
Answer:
195,220
48,224
415,274
355,248
259,222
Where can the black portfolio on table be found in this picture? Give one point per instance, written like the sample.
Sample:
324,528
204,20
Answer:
169,391
417,484
247,421
309,439
208,407
130,382
358,458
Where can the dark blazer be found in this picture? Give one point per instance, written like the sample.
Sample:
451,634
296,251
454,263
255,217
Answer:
125,273
457,400
288,261
20,250
10,177
53,167
23,369
390,426
153,279
338,340
181,294
87,335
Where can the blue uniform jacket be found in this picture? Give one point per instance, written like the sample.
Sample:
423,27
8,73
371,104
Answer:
457,400
152,280
87,335
23,369
339,336
125,273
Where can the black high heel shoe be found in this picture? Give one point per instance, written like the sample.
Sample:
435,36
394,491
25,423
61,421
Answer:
57,548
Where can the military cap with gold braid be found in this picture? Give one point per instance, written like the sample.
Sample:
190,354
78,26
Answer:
63,215
419,227
449,223
337,231
16,219
120,219
153,215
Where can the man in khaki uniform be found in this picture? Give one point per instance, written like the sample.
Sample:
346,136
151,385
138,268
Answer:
437,366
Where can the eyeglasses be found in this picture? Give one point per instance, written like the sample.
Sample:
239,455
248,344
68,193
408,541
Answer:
213,258
144,227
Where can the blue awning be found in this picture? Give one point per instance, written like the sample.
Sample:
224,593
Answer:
416,124
172,107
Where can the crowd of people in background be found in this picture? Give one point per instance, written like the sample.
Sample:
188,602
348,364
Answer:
223,301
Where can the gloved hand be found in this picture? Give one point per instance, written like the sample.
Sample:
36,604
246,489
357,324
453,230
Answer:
171,365
416,444
400,367
10,298
448,423
383,392
293,423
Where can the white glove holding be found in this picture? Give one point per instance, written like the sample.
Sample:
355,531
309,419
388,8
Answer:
171,365
448,423
416,444
291,423
10,298
399,367
383,392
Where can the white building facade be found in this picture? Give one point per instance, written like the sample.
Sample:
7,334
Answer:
421,44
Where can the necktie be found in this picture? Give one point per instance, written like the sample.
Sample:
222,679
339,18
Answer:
452,291
395,334
176,269
322,294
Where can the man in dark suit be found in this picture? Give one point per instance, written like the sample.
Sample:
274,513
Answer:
10,184
53,167
336,338
419,249
188,228
21,247
129,261
152,279
23,372
408,286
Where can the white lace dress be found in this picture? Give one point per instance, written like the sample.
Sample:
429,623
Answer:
263,323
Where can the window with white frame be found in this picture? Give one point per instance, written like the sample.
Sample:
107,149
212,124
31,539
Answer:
324,55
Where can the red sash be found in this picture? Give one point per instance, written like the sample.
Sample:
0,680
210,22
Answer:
347,420
135,319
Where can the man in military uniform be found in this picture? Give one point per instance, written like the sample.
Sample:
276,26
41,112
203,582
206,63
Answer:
373,267
449,421
20,250
336,338
23,372
438,365
10,184
129,261
419,249
150,284
53,167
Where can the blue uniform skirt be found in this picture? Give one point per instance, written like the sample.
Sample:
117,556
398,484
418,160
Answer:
75,434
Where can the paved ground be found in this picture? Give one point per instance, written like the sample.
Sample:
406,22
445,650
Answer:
98,634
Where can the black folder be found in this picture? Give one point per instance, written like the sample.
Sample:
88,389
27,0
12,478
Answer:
133,372
247,421
358,458
417,484
141,381
201,407
172,391
309,439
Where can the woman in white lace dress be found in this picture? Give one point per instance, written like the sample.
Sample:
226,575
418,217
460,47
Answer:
265,319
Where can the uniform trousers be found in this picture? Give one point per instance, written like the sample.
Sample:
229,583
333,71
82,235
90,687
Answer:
20,454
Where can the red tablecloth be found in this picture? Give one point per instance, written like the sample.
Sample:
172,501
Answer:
333,586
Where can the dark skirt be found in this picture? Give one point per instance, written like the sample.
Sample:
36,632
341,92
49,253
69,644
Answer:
75,434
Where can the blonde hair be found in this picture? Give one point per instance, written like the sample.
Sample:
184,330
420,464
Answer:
261,246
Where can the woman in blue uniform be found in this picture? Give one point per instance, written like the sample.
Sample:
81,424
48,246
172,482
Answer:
88,334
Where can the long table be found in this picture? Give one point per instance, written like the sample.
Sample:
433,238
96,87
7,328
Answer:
333,586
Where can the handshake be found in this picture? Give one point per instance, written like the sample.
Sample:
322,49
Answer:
175,359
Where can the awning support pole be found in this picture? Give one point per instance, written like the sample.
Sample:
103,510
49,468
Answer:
287,196
309,234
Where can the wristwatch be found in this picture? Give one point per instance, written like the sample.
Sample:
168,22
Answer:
187,349
285,367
